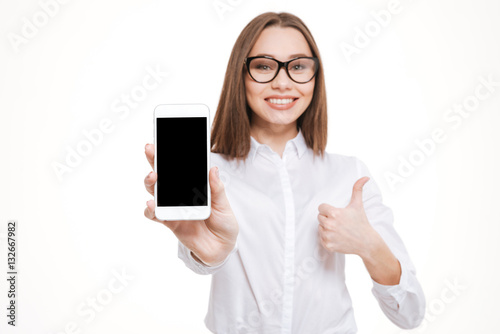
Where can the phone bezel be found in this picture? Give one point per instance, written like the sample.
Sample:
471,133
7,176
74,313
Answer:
183,212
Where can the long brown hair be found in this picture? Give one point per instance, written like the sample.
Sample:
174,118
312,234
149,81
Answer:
231,126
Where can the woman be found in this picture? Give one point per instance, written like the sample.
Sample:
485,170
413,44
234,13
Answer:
288,211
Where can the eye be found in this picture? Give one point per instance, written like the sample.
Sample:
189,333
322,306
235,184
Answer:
262,67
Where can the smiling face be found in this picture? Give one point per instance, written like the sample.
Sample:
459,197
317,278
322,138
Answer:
278,104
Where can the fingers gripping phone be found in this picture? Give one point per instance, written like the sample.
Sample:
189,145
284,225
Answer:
182,160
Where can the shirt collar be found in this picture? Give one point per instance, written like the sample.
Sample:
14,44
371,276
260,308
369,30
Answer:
298,143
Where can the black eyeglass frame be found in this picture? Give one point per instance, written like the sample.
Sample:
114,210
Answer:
281,64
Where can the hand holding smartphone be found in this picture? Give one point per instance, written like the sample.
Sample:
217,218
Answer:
189,197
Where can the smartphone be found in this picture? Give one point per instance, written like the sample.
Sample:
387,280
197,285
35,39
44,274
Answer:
182,160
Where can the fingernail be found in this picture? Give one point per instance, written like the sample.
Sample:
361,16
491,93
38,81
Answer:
150,174
217,172
146,147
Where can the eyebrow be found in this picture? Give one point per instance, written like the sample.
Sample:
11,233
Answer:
290,57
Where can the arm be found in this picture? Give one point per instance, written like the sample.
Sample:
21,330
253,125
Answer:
192,262
395,285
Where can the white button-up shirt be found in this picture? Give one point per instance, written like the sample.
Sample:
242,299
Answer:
279,279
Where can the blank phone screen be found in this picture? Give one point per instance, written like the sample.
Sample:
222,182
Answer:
181,161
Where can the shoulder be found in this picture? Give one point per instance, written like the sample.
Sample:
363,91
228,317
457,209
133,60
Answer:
349,168
221,159
226,163
343,161
352,169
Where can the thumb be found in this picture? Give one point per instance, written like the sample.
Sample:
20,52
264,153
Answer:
357,192
217,188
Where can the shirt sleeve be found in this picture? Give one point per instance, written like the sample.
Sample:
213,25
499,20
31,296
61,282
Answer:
404,303
185,255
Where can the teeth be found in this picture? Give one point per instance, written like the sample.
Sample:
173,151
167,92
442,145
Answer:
281,101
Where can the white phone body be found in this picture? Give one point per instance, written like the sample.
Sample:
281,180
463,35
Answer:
182,161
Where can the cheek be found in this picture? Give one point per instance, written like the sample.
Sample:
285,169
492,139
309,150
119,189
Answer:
309,90
253,91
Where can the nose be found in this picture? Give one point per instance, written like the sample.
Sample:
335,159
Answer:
282,81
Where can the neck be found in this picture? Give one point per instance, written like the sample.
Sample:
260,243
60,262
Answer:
276,137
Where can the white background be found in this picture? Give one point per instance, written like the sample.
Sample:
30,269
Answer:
74,232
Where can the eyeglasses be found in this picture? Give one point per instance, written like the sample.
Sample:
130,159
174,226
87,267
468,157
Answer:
264,69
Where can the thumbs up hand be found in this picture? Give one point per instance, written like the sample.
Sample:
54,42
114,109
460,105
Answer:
347,230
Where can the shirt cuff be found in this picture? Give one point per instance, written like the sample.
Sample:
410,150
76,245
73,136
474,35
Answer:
204,266
397,292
